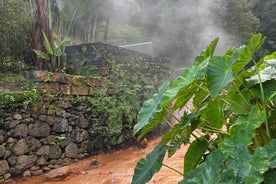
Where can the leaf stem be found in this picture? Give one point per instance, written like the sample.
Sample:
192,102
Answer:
169,167
168,123
263,101
229,102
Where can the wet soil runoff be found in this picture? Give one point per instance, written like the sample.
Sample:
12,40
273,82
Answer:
115,168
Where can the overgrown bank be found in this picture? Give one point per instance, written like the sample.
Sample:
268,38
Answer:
71,117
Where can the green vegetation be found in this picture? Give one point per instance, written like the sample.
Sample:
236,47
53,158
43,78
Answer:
15,51
54,53
231,127
113,110
265,11
21,99
10,78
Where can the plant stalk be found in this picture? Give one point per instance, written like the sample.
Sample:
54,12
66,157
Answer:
169,167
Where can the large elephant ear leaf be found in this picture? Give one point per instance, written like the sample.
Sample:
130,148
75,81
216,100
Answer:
148,166
270,175
215,113
208,52
191,73
270,148
219,74
211,171
195,153
189,76
259,163
150,108
247,53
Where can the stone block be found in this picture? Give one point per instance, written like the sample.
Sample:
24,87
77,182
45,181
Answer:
55,152
40,76
17,116
65,89
92,81
34,144
92,91
4,167
48,88
21,130
77,80
60,125
21,147
83,122
39,129
71,150
82,91
43,151
25,162
2,151
60,78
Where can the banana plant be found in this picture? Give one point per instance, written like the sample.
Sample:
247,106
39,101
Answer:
231,126
54,53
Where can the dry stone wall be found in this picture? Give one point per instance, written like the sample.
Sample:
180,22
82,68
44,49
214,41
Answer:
64,84
56,131
38,142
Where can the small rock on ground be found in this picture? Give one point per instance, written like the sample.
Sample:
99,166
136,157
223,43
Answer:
58,174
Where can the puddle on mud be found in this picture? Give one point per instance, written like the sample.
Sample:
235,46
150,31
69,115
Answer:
116,168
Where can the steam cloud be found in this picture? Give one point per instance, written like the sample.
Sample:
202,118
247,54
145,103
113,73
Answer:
182,29
186,30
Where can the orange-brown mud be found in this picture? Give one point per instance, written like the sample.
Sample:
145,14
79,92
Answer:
116,168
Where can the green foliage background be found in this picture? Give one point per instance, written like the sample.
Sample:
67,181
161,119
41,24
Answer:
15,51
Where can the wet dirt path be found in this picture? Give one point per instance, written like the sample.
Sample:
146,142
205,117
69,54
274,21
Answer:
116,168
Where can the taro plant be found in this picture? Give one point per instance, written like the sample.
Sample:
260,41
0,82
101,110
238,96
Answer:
231,126
53,54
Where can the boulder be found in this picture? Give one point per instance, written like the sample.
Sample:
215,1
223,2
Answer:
42,117
2,151
4,167
58,174
55,152
43,151
21,130
25,162
17,116
83,122
60,125
34,143
39,129
21,147
80,135
2,139
71,150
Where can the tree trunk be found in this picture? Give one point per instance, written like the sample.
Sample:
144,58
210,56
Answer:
106,27
94,28
40,23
